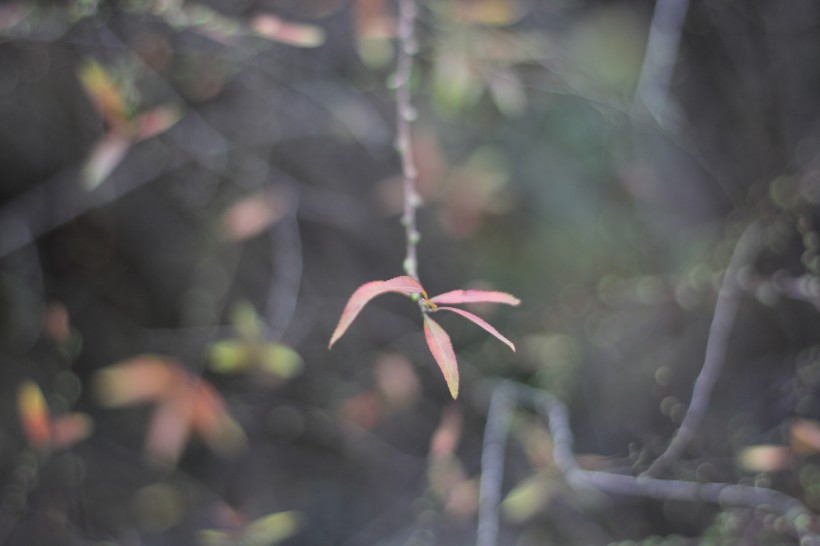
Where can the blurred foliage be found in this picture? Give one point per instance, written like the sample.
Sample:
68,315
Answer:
192,189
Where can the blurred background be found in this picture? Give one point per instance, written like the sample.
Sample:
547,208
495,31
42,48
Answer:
192,190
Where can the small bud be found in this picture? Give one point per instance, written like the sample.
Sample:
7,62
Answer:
394,81
414,237
409,265
415,200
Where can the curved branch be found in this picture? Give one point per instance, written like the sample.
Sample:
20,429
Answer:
507,395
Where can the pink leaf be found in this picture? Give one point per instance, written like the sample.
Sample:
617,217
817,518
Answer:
442,349
155,122
368,291
481,322
106,154
70,429
475,296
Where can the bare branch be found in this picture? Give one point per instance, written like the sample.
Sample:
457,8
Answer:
652,92
405,113
723,320
507,395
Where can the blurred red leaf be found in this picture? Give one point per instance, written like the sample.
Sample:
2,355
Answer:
155,122
365,293
184,403
442,349
446,437
39,429
805,436
34,417
69,429
250,216
481,322
56,323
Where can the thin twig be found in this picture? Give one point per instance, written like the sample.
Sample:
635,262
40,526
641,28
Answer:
405,113
746,251
554,412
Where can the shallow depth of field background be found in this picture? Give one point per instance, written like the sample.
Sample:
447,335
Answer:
207,224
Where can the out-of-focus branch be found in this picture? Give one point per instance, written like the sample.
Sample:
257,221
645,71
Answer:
405,113
746,251
652,92
508,395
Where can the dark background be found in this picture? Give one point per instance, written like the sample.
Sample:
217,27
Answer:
541,175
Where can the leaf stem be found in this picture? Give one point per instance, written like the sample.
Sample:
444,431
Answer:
405,114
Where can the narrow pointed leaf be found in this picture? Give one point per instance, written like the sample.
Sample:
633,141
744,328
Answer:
34,417
481,322
287,32
156,121
70,429
475,296
136,380
368,291
105,156
442,349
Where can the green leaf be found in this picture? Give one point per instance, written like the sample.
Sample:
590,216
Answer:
246,320
229,356
281,360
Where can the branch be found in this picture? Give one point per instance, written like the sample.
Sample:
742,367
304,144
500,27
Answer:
652,92
507,395
745,252
405,113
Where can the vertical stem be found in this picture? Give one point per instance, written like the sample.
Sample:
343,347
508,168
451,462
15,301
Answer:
405,113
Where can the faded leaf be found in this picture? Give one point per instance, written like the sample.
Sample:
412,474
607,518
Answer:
446,437
70,429
281,360
442,349
34,417
229,356
475,296
104,93
805,436
528,498
155,122
479,321
246,320
488,12
272,529
287,32
368,291
252,215
374,28
397,380
764,458
211,420
106,154
169,429
364,410
56,323
133,381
